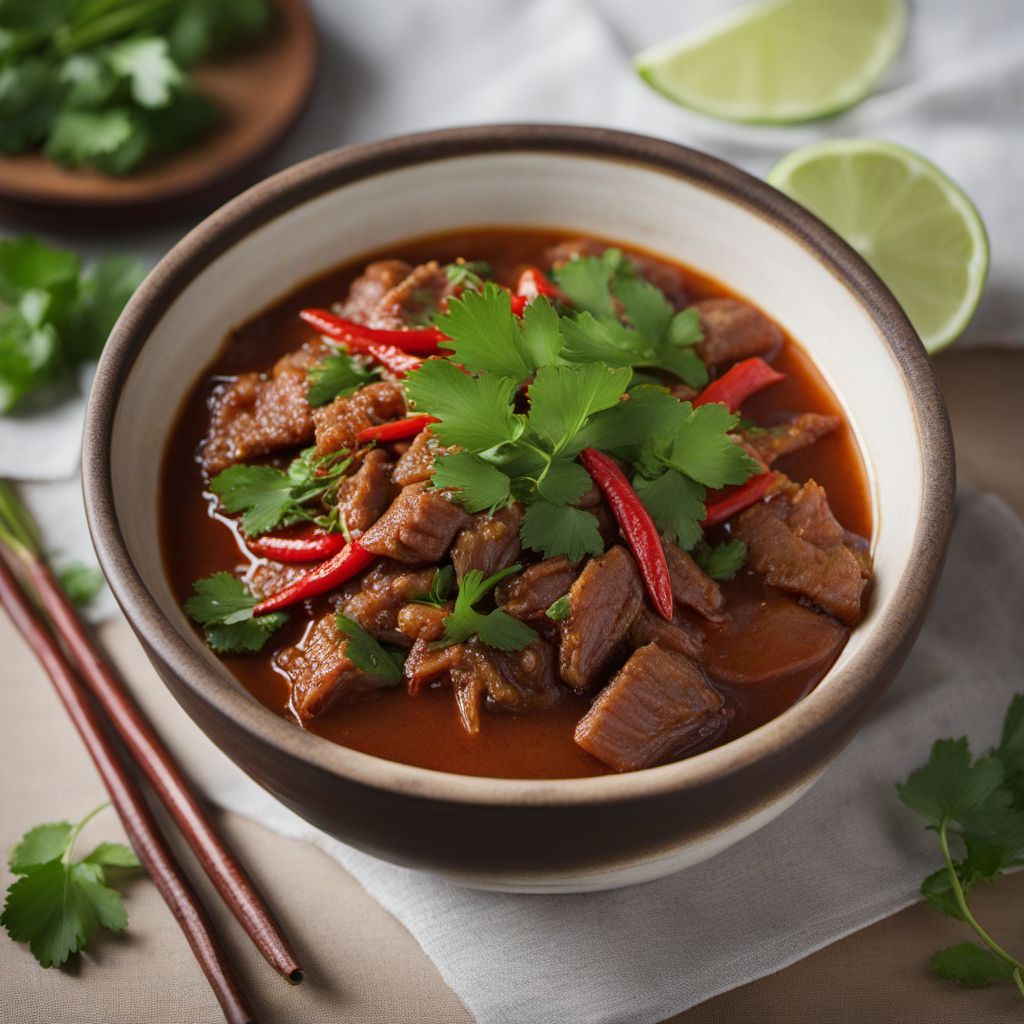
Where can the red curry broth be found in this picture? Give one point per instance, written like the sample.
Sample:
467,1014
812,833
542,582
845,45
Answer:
425,730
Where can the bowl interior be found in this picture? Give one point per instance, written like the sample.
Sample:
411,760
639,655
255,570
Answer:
670,213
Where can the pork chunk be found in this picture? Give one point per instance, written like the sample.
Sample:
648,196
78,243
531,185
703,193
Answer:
376,600
657,706
733,331
603,603
771,443
370,287
417,463
795,542
682,635
691,586
337,424
530,593
419,526
363,496
488,543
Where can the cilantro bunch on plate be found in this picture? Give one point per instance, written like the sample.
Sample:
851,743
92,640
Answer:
105,85
976,808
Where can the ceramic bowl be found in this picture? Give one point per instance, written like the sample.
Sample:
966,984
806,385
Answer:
526,835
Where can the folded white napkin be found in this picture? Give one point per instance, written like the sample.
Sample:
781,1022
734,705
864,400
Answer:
846,855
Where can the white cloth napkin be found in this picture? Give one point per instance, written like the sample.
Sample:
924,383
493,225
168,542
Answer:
846,855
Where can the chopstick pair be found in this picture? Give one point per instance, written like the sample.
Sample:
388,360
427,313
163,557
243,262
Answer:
86,680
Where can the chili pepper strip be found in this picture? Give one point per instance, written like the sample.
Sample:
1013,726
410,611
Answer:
736,501
314,547
636,524
419,341
395,430
393,358
534,282
741,381
351,560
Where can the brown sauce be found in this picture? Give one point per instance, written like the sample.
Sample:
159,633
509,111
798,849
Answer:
425,730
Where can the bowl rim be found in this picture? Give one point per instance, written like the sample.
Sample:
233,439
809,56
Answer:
265,201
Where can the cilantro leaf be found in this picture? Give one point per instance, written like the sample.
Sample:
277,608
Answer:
588,339
542,339
676,504
262,493
112,140
146,63
30,357
563,397
645,306
564,482
113,855
367,654
477,485
723,561
475,413
39,846
103,292
27,263
558,611
467,273
622,429
222,604
496,628
336,375
701,447
969,965
560,530
484,334
585,281
82,583
440,588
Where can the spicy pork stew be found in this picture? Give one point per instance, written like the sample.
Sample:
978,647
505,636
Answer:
517,506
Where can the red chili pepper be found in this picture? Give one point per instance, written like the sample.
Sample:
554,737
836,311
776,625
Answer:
736,501
393,358
636,524
351,560
735,386
418,340
518,304
534,282
396,430
314,547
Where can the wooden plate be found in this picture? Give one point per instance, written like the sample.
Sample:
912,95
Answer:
261,90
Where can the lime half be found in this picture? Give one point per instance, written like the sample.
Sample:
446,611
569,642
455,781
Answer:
780,61
917,229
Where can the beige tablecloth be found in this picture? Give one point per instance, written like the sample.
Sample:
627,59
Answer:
361,965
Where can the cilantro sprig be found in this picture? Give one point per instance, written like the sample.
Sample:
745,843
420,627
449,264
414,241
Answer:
368,654
223,605
57,903
495,628
976,807
721,561
336,375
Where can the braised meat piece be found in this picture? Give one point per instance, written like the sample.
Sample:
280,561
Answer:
691,586
425,664
320,673
603,603
423,621
488,543
417,463
363,496
682,635
771,443
257,414
376,600
733,331
419,526
337,424
370,287
266,578
415,299
530,593
657,706
795,542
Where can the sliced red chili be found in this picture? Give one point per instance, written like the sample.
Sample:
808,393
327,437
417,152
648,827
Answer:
396,430
351,560
636,524
518,303
738,383
358,337
312,547
393,358
534,282
737,500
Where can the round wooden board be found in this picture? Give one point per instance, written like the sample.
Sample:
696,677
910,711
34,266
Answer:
261,90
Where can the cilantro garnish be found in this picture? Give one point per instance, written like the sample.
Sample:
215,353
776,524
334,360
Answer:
82,583
336,375
495,628
52,315
558,611
367,654
723,561
467,273
440,588
57,903
268,497
976,806
477,484
223,605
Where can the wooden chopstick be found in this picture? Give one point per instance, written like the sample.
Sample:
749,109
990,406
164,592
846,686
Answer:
158,765
127,798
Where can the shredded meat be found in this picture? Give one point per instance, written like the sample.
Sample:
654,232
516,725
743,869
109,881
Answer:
256,414
415,299
603,602
733,331
376,600
488,543
417,463
337,424
795,542
682,635
691,586
657,706
771,443
363,496
370,287
419,526
319,671
530,593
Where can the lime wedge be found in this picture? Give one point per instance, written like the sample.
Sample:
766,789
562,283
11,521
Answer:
780,61
916,228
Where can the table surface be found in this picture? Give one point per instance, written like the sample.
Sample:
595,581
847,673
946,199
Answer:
361,964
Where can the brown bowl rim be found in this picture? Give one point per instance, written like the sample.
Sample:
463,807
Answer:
304,181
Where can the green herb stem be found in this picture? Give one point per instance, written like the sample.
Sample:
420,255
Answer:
77,830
